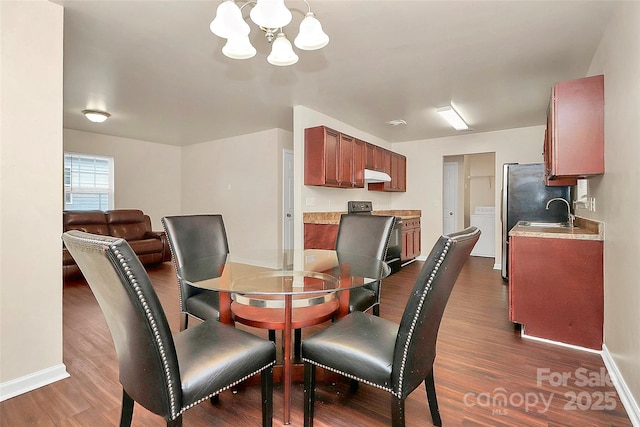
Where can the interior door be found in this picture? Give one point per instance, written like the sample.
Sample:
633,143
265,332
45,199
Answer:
287,200
449,197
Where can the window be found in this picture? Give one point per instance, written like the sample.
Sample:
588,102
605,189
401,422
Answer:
88,182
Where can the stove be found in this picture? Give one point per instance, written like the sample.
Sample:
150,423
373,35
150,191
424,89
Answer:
394,249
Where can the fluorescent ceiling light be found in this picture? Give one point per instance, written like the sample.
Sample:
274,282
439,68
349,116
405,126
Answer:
452,117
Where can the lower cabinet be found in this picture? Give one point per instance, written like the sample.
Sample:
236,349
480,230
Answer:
410,239
556,289
320,236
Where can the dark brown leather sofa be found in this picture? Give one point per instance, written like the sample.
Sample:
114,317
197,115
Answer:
132,225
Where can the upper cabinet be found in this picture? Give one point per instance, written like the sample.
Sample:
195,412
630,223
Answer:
574,138
395,165
334,159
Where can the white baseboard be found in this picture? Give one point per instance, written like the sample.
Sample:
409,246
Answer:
497,266
629,403
32,381
561,344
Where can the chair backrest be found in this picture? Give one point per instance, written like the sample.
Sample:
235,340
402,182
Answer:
192,237
366,235
147,358
415,348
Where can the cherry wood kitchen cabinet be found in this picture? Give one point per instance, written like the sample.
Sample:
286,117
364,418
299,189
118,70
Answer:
359,147
370,156
398,172
320,236
410,239
574,139
333,159
556,289
395,165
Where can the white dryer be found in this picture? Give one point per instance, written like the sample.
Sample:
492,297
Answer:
484,217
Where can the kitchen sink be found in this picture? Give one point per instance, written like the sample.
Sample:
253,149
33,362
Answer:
545,224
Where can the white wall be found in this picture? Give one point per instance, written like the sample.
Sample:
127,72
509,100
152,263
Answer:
481,181
618,196
425,174
240,178
30,195
147,174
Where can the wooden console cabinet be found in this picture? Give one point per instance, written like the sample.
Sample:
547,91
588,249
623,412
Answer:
574,138
556,289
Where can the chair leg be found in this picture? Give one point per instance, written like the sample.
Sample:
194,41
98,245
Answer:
272,335
127,410
397,412
266,389
184,320
431,398
309,393
376,310
175,422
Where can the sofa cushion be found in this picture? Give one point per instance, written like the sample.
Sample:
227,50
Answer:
94,222
129,224
146,246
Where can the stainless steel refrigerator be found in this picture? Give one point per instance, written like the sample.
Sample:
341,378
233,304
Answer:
524,197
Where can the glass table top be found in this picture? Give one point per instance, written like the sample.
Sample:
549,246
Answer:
310,271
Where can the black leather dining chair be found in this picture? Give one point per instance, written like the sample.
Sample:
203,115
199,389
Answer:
192,237
166,374
394,357
366,235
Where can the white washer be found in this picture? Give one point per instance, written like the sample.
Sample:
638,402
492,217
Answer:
484,218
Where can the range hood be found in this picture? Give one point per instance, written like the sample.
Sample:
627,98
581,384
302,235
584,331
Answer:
371,176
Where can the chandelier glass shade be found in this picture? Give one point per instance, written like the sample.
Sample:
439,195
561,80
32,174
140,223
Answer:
270,16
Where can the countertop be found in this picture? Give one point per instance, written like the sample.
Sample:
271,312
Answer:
334,217
584,229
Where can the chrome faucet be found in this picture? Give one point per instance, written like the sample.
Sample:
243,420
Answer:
572,217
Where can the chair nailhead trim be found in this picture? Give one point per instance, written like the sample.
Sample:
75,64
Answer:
345,374
183,309
426,290
136,287
225,388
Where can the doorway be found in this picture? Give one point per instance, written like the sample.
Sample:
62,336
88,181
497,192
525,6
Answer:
450,197
469,196
287,199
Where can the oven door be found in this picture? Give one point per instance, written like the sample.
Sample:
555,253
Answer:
394,249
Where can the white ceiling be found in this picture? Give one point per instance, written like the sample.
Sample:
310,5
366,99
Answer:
159,71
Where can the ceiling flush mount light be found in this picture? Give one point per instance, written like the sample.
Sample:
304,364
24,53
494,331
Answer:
452,117
396,122
271,16
96,116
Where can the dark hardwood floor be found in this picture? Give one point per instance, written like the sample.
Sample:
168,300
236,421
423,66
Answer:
486,375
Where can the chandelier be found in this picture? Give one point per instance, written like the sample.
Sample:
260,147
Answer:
271,16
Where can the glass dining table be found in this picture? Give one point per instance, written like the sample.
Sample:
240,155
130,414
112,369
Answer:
296,286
